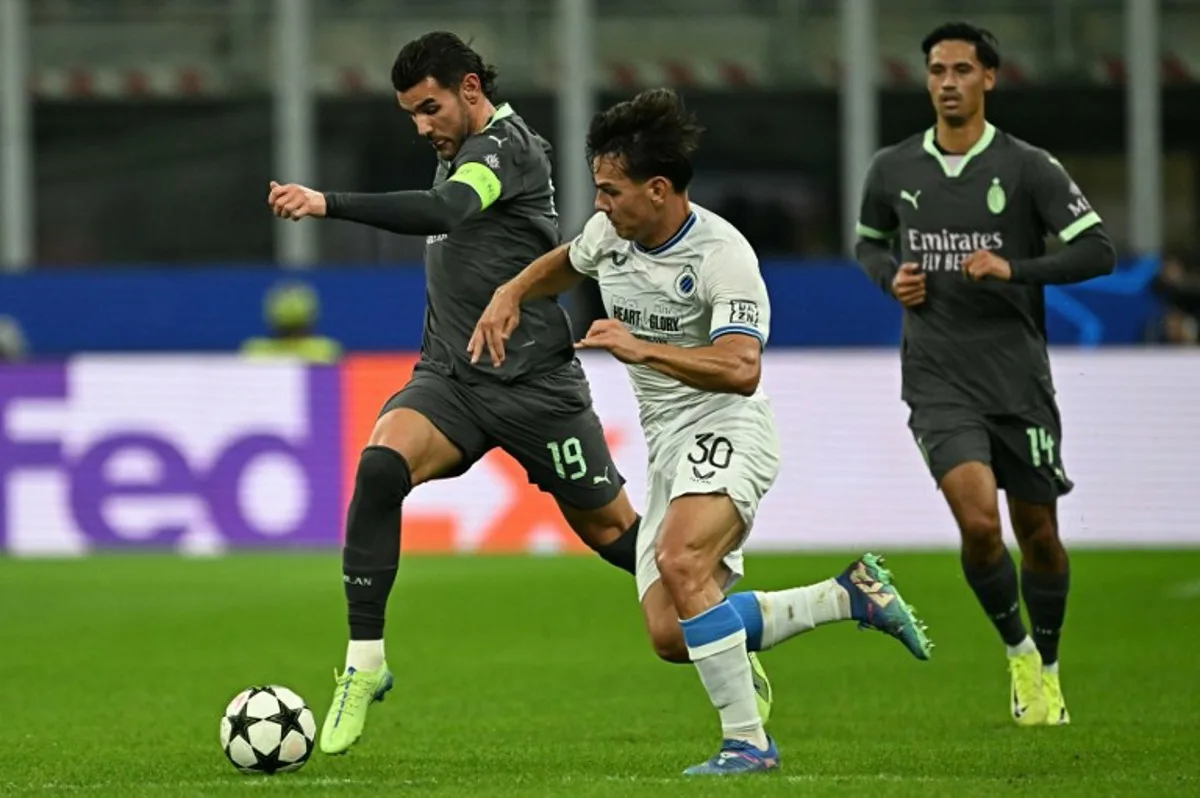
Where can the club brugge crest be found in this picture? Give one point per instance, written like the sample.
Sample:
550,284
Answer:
685,283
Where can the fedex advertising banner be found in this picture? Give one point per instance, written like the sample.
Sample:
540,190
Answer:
207,454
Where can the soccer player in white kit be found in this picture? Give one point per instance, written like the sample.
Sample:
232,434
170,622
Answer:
689,316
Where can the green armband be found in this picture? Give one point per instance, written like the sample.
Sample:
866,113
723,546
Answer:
1072,231
480,178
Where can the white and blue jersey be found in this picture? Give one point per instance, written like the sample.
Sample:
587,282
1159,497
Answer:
701,284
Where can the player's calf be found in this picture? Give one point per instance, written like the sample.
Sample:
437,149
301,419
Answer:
371,552
1036,529
611,531
1045,584
697,533
666,636
970,490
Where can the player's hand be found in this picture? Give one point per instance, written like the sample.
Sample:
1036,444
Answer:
909,285
614,336
494,327
293,201
981,264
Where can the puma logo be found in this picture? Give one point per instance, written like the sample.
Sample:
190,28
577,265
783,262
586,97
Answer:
602,479
912,198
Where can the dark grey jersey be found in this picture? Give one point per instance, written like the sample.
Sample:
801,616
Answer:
981,344
508,165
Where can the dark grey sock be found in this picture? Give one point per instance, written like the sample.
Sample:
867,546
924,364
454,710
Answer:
1046,600
622,552
996,588
371,552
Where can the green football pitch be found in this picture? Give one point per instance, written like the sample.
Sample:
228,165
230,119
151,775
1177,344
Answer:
528,676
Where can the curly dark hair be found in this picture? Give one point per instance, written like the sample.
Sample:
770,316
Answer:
444,57
653,134
987,48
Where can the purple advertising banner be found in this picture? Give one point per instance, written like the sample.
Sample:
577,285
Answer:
183,453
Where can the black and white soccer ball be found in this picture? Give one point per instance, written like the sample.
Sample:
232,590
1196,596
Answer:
268,730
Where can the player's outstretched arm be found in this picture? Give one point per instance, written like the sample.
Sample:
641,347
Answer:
430,212
438,210
549,275
731,364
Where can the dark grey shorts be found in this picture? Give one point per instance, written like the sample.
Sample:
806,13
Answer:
547,424
1024,450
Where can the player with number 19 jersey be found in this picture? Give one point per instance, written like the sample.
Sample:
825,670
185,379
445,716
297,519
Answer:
701,284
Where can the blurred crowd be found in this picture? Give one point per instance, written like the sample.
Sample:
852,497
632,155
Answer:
1178,285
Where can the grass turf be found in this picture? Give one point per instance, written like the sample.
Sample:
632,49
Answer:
523,676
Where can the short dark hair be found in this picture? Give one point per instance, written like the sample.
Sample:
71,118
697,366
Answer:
654,134
444,57
987,48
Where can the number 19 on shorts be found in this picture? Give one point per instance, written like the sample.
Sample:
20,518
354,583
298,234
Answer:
569,461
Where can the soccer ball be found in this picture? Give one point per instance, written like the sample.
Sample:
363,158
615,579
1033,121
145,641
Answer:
267,730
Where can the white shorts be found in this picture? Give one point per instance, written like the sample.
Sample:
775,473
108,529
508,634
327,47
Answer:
733,451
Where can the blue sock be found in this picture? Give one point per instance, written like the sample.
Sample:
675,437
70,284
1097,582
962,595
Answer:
711,626
748,607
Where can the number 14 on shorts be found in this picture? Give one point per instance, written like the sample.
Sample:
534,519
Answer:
1041,446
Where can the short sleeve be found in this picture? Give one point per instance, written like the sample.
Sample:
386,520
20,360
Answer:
588,247
876,216
733,285
488,163
1059,202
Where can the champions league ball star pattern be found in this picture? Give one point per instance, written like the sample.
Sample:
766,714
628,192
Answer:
268,730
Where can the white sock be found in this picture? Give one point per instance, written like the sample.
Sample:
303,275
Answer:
364,655
787,613
716,642
1051,668
726,677
1026,646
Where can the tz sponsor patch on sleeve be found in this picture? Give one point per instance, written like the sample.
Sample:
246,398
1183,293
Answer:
743,311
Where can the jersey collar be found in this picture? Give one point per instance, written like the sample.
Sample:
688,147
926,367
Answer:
989,133
503,112
688,224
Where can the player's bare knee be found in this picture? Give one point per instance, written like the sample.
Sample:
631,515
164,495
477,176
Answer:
604,525
683,568
1041,547
414,437
982,538
597,533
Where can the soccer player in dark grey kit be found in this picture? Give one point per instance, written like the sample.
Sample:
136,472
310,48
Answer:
490,212
969,208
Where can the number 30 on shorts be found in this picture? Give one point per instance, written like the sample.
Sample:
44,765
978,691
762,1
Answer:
568,455
709,450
